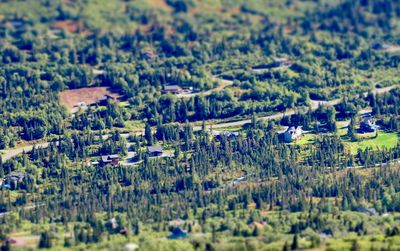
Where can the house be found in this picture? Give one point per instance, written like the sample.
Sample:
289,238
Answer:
81,106
110,159
131,247
225,134
154,151
112,223
16,177
176,223
282,62
16,24
98,72
174,89
292,134
368,125
178,233
147,54
105,99
382,46
371,211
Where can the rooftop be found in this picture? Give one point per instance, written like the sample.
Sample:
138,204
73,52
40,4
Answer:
152,149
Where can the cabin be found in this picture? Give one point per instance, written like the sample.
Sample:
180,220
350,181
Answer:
371,211
10,181
176,223
16,177
292,134
382,46
105,99
81,106
16,24
178,233
368,125
225,134
155,151
97,72
149,55
282,62
110,160
174,89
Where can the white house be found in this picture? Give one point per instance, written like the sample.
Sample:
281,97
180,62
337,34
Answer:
292,134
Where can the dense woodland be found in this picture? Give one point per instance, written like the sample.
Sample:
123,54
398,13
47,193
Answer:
249,192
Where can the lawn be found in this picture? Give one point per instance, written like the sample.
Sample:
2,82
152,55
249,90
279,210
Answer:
307,138
388,140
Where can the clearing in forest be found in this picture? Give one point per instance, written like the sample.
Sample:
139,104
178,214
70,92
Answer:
87,96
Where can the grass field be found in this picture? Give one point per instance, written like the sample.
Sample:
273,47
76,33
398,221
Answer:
384,140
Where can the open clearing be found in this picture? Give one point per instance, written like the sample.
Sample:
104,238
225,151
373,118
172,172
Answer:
89,95
388,140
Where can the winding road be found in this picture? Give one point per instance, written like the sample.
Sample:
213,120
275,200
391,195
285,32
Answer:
8,154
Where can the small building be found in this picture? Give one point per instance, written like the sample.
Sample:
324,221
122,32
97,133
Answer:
16,177
382,46
81,106
16,24
105,99
292,134
131,247
176,223
110,159
98,72
148,54
178,233
282,62
155,151
368,125
371,211
174,89
225,134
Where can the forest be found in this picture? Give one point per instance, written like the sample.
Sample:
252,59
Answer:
199,125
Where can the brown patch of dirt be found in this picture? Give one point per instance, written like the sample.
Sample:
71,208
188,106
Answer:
88,95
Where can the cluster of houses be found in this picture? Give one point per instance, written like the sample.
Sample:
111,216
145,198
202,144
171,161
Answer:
115,160
176,89
219,135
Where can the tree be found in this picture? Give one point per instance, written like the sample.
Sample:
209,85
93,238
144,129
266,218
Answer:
351,132
148,134
6,245
295,242
355,246
45,240
286,246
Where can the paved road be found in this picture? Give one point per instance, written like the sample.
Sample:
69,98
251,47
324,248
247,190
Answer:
314,105
8,154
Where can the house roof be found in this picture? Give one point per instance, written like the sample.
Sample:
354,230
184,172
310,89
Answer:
178,233
172,87
105,97
293,128
16,175
152,149
225,133
108,158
